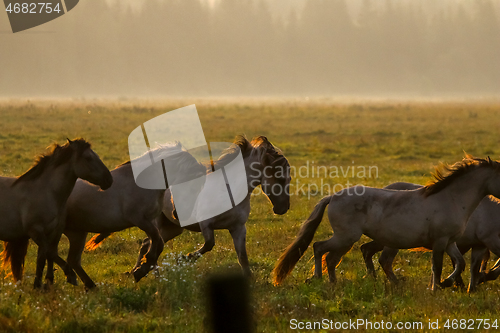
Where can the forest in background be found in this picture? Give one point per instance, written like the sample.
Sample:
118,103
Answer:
186,48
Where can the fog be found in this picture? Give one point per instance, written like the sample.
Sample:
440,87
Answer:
168,48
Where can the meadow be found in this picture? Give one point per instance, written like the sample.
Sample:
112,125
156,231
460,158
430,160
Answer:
404,141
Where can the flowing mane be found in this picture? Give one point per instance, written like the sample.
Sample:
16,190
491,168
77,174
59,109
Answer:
444,174
258,145
171,147
57,155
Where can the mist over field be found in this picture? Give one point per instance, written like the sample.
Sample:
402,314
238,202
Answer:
257,48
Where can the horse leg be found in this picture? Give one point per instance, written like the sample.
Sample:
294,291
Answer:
155,249
437,262
167,230
368,250
476,258
40,265
49,276
493,244
494,272
386,260
459,262
484,263
37,235
76,247
208,234
238,234
459,282
337,246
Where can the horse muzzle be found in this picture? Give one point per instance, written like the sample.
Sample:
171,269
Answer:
107,183
281,210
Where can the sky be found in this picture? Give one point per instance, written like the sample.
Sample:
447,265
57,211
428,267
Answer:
167,48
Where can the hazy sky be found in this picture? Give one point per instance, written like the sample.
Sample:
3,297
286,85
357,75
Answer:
225,47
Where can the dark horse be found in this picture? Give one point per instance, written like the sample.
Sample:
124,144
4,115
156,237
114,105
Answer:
33,205
434,216
266,166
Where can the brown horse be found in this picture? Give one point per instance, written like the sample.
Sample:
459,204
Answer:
33,205
434,216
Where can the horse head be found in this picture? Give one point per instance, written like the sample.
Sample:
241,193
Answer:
271,170
87,165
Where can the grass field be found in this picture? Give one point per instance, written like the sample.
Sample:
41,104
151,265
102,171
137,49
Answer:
402,140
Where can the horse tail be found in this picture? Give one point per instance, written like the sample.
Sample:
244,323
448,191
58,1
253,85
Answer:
14,253
294,251
95,241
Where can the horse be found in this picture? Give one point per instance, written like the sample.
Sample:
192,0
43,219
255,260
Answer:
481,234
266,166
33,204
124,205
433,216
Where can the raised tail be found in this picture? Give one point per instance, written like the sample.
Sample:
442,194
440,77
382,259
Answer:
294,251
96,240
14,253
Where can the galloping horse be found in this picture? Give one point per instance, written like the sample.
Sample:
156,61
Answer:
265,165
123,205
434,216
481,234
33,205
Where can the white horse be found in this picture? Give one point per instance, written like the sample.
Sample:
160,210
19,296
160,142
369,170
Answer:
266,166
482,234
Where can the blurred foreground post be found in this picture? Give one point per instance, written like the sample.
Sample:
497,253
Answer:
229,304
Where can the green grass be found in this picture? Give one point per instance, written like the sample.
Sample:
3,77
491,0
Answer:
403,140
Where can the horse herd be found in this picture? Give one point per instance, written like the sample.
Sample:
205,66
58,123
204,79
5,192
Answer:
454,213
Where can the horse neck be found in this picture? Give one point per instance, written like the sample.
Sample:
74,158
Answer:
254,169
60,181
469,189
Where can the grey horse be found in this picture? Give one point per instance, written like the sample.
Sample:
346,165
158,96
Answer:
481,234
434,216
266,166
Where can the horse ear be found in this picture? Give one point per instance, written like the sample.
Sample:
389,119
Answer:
489,160
69,141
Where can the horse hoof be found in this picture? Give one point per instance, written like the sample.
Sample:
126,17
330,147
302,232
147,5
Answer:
311,279
482,278
72,280
447,283
140,273
471,290
89,287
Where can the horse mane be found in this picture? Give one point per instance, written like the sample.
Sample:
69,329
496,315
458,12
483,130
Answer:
445,174
174,145
259,144
56,155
